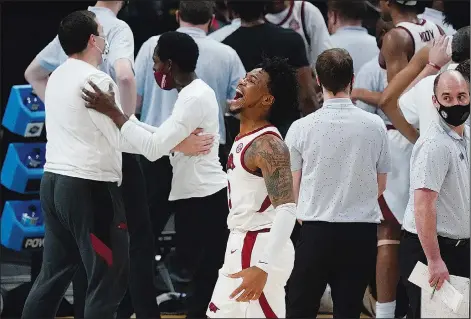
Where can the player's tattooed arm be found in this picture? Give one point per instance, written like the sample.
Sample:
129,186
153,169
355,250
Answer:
271,155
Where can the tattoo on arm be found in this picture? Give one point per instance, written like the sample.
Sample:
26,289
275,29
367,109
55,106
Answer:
270,154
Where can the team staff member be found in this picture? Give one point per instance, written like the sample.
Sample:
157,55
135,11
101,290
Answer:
199,185
339,170
119,64
220,67
344,19
437,222
80,196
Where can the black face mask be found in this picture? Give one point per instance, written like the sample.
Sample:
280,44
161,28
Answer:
454,115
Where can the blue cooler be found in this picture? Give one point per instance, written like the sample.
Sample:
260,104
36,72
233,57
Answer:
23,167
24,114
22,225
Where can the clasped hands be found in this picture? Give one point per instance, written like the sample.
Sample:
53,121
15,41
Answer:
197,143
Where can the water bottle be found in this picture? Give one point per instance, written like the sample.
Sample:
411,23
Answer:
32,102
29,218
33,159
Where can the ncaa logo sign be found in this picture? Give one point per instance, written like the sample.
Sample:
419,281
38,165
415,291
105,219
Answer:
33,243
239,148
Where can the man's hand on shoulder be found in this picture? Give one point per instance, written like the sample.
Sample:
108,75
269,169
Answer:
271,155
104,102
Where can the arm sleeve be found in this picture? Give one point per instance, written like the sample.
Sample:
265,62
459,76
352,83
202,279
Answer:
145,126
297,57
384,161
317,31
174,130
121,45
294,153
105,124
52,55
430,167
142,67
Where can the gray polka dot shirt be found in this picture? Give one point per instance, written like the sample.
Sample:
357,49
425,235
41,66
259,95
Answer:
440,162
339,149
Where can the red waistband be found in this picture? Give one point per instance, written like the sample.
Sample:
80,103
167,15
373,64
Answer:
254,232
390,127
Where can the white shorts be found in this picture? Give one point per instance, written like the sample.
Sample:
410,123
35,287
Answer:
396,194
243,251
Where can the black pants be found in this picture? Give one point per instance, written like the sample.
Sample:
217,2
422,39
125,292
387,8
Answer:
142,290
141,295
342,255
456,258
84,222
158,179
202,235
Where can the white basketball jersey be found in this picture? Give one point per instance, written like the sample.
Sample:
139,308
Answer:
422,33
250,207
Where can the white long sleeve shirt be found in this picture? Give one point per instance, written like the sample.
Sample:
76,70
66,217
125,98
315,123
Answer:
81,142
193,176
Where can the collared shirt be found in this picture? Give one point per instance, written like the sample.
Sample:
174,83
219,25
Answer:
437,17
339,149
356,40
374,78
417,104
193,176
218,65
222,33
316,29
81,142
440,162
118,34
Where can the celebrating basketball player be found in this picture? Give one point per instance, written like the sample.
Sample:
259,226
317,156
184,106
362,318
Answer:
259,255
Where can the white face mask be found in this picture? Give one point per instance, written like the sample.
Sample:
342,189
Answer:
105,51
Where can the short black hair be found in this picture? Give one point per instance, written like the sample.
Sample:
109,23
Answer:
178,47
75,30
352,10
283,85
463,68
460,45
196,12
334,68
456,13
247,10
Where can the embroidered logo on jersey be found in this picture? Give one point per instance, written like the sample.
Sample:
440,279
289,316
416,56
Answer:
294,24
212,307
230,162
239,148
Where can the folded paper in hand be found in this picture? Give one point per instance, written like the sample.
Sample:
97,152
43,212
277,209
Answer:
451,301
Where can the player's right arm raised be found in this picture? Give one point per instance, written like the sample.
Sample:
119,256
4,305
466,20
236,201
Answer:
394,51
271,155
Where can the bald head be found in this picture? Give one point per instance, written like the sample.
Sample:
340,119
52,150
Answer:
452,97
450,81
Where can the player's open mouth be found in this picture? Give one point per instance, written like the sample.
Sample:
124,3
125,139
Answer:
238,95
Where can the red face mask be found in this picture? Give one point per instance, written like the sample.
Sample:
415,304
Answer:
164,81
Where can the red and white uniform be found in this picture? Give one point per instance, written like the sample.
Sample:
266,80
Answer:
394,200
251,216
